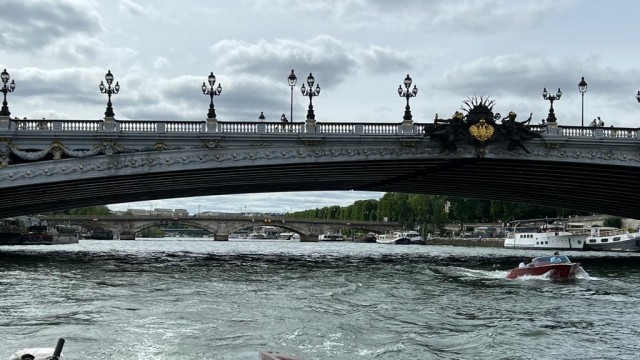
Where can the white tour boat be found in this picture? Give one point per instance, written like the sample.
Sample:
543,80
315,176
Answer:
395,238
543,234
331,236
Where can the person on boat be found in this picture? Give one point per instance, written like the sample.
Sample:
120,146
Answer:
555,258
523,264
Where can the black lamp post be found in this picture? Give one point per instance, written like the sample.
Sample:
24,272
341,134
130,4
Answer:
551,118
211,91
109,91
5,79
582,86
261,117
637,96
292,82
407,93
310,93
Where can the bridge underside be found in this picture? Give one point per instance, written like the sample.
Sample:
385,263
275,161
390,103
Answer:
572,185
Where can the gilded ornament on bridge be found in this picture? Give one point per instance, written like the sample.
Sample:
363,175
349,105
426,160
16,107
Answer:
481,131
159,146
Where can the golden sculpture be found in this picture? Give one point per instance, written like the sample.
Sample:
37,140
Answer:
481,131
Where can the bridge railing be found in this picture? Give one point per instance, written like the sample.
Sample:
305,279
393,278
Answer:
250,127
597,132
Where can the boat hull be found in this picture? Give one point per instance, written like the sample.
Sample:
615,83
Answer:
395,241
556,271
630,245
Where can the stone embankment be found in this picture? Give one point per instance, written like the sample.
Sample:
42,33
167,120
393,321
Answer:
484,242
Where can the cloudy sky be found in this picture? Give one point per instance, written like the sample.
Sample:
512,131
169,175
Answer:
359,51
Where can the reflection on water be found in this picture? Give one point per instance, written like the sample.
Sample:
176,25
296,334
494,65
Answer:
160,299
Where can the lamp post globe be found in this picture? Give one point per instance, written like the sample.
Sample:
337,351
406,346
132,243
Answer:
407,93
211,91
4,76
582,87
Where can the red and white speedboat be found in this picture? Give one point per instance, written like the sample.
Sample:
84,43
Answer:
559,267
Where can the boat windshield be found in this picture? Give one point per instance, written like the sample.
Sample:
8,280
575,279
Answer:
556,259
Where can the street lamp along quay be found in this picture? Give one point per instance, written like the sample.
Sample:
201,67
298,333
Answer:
582,87
638,96
109,91
407,93
292,82
12,86
310,92
211,91
551,118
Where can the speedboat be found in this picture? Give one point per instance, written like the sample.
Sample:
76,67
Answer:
40,353
559,267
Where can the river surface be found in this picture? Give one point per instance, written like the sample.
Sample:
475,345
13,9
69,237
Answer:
199,299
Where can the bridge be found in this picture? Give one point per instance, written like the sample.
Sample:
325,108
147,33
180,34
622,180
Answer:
220,226
50,165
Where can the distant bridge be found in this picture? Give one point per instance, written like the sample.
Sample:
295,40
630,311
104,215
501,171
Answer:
50,165
220,226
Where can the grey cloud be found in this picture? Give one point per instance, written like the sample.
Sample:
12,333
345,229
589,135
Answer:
324,56
67,84
473,16
526,75
385,60
260,202
32,24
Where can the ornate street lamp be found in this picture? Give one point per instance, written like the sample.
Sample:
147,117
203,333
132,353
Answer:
638,96
292,82
261,117
310,93
109,91
407,93
211,91
12,86
551,118
582,87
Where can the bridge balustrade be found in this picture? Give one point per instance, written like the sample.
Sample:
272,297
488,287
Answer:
249,127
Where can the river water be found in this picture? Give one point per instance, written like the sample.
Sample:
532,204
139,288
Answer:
199,299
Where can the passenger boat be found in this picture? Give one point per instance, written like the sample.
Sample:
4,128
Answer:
288,236
366,238
331,236
543,234
414,237
612,239
265,232
559,267
395,238
35,231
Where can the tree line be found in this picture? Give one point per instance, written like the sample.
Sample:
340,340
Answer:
430,213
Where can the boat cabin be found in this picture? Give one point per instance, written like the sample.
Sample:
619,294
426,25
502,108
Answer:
546,260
